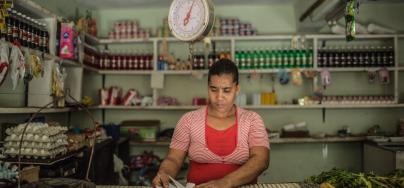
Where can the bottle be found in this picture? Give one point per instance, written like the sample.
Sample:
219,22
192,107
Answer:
237,59
10,23
46,39
342,57
267,57
274,59
355,56
390,56
35,35
4,29
248,60
130,60
285,58
29,32
298,59
309,57
41,46
379,56
15,27
348,57
254,59
242,60
385,56
361,57
151,60
23,30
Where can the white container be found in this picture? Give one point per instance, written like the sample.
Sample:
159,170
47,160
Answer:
73,83
40,89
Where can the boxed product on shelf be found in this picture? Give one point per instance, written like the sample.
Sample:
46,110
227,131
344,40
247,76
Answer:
140,130
233,27
40,89
113,96
128,29
68,43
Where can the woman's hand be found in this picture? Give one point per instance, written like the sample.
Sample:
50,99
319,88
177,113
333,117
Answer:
220,183
161,180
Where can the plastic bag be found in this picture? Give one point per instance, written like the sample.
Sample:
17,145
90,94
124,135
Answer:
297,77
283,77
58,80
384,76
17,61
4,63
325,78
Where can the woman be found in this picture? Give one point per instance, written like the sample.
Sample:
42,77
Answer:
227,145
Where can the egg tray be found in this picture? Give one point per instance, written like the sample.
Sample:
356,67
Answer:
34,128
41,145
29,153
36,138
43,160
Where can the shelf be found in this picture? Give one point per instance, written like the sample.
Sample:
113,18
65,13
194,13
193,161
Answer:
183,72
244,71
316,140
275,141
29,110
117,72
327,106
68,62
146,107
100,41
125,72
32,9
103,41
363,36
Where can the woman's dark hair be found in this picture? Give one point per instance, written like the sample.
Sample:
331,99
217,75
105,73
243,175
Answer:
224,66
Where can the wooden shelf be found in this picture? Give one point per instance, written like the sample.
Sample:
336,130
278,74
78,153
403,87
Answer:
276,141
29,110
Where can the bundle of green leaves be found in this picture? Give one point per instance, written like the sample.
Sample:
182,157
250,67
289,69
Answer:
339,178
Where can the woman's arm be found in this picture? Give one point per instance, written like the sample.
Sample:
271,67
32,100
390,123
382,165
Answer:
169,167
256,164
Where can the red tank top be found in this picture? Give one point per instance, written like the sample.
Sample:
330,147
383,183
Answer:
221,143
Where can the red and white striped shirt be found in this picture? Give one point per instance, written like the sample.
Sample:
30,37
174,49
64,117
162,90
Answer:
189,136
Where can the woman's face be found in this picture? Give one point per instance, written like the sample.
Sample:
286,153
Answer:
222,92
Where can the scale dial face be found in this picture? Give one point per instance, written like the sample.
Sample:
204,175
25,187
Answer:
191,20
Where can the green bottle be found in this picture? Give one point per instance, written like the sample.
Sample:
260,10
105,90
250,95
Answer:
262,59
237,58
267,56
285,58
292,56
298,59
248,60
310,58
242,60
254,59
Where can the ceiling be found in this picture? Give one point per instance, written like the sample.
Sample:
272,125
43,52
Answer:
100,4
